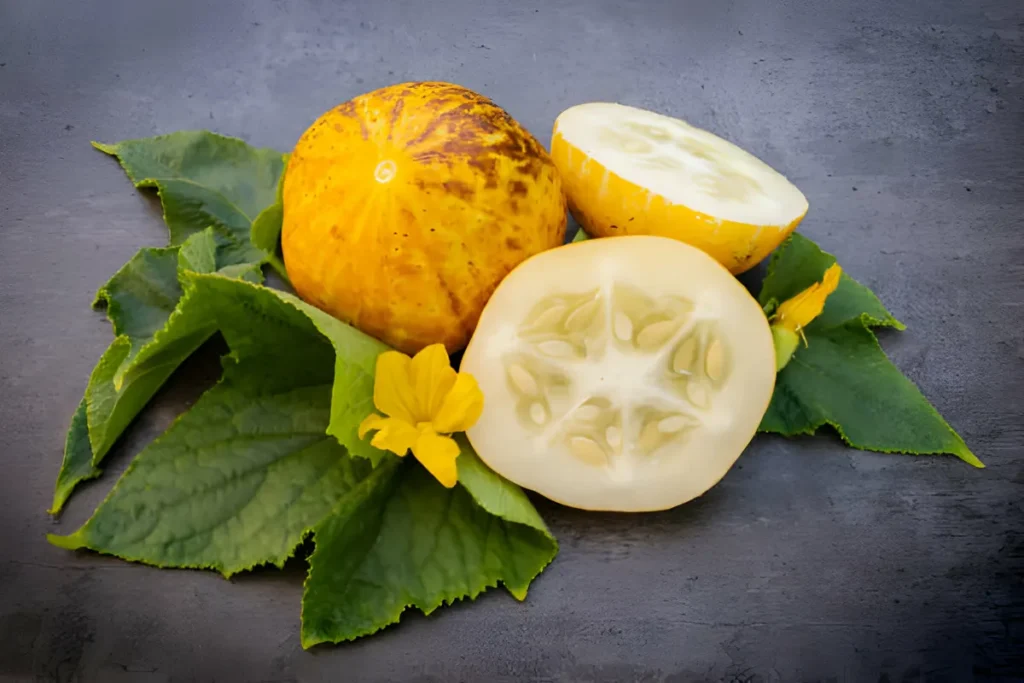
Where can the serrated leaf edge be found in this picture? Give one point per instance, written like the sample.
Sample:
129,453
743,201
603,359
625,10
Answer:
308,641
967,455
157,183
76,541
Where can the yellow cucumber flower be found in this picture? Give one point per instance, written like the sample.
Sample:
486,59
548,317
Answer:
424,400
797,312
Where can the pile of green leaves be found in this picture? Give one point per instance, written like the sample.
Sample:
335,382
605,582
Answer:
270,456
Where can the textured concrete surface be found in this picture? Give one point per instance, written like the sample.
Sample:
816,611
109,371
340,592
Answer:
903,122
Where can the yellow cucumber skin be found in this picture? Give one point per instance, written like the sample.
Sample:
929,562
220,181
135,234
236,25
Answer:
607,205
406,206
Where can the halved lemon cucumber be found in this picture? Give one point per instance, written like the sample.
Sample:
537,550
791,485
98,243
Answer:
629,171
619,374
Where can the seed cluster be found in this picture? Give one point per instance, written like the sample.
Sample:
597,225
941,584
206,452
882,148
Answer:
688,363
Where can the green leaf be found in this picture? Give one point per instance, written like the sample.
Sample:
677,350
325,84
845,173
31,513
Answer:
143,293
842,378
266,233
139,361
355,365
497,495
403,540
266,230
77,465
153,338
197,254
204,253
236,482
353,354
205,179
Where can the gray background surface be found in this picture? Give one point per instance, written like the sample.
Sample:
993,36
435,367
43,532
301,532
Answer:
903,122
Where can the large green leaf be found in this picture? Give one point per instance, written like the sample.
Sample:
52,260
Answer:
236,482
353,356
842,378
205,179
402,540
242,475
153,338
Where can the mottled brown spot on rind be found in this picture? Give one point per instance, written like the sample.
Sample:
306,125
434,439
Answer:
396,112
453,299
408,217
531,167
469,130
513,244
427,132
441,89
346,108
517,188
461,110
459,189
488,168
427,157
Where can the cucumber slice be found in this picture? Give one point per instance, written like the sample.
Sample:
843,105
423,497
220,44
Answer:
621,374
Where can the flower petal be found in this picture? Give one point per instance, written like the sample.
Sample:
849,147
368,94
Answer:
438,454
461,407
798,311
432,377
372,421
395,435
831,279
392,391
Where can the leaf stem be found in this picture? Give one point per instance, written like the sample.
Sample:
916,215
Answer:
278,265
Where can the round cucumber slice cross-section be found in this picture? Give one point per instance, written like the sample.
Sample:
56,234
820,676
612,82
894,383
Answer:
624,373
